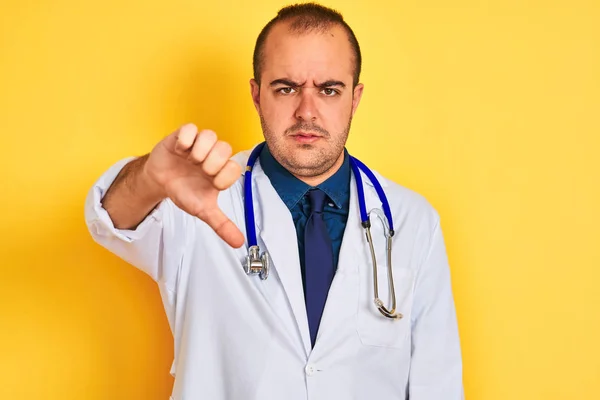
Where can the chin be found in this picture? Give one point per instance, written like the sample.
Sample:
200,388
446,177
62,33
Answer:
308,165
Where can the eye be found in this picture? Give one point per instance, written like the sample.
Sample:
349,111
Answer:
286,90
329,92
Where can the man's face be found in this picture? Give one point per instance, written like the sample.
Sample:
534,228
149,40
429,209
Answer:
306,100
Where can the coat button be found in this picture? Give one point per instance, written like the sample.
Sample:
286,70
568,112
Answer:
310,370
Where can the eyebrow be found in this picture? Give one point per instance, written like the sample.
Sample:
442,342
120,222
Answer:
288,82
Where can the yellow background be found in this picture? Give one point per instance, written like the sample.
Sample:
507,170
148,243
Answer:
489,109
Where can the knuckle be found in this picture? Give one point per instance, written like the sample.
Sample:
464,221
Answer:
195,209
189,127
184,141
197,154
223,148
207,134
220,184
227,176
237,169
206,140
216,159
187,132
223,181
210,168
202,146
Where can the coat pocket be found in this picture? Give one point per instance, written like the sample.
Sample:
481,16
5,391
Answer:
375,329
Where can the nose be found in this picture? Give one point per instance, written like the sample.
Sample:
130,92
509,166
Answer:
306,109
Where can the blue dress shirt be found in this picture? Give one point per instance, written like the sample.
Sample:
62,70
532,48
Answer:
293,193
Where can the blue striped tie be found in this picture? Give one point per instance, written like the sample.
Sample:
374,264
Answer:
318,262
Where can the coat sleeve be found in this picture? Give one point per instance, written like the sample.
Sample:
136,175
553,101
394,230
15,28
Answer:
155,246
436,363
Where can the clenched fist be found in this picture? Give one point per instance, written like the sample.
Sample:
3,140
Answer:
191,168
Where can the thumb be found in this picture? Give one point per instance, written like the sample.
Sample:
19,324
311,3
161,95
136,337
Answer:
223,226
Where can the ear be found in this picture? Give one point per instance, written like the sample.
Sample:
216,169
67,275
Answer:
255,92
356,96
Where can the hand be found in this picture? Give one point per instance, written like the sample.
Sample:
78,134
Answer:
191,168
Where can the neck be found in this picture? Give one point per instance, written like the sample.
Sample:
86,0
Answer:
316,180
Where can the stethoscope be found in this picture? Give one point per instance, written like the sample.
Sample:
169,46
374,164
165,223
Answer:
260,264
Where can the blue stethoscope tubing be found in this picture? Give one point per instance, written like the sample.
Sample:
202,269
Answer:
260,264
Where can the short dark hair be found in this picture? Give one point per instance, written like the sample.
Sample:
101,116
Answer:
306,17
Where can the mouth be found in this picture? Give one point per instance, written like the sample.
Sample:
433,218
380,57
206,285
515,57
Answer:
306,137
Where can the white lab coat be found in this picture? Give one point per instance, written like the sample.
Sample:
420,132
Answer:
238,337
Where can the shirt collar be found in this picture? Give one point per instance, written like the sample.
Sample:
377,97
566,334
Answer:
291,189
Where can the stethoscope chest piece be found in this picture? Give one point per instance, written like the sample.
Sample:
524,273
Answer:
257,264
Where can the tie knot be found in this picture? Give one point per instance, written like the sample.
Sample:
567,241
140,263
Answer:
317,200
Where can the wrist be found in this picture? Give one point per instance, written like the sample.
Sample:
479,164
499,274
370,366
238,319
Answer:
152,190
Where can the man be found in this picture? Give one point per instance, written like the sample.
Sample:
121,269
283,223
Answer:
311,329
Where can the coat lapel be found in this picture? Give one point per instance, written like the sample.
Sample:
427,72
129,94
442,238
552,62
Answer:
341,299
277,231
340,307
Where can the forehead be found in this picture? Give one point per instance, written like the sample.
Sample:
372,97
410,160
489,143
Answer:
314,55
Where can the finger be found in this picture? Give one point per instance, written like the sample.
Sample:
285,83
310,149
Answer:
227,176
185,138
223,227
205,141
217,158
